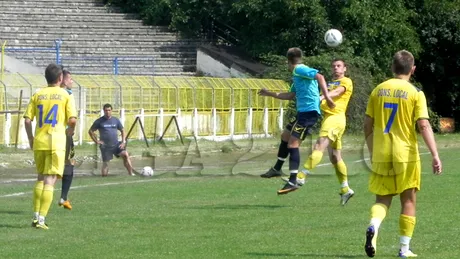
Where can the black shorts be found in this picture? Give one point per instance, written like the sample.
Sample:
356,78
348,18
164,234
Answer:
108,152
301,125
69,148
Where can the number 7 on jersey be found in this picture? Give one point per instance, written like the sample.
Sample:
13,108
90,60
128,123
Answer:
394,109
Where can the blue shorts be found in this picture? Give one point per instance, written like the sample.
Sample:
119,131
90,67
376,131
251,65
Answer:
302,124
108,152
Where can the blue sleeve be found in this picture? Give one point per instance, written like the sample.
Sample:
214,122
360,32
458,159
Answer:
305,72
95,125
119,125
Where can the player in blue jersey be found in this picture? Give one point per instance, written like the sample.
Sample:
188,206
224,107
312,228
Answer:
305,89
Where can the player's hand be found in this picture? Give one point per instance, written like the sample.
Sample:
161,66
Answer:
330,103
70,131
122,145
31,142
437,166
264,92
99,142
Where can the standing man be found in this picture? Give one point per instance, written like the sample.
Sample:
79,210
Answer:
108,127
54,109
305,90
395,107
332,129
69,150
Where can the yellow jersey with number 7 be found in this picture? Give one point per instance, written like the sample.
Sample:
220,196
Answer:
396,105
51,108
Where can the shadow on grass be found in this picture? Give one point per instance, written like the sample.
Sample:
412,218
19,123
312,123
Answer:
238,207
265,255
12,226
12,212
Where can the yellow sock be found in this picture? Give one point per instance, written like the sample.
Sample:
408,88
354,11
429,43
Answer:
406,225
378,214
47,198
38,190
341,173
313,160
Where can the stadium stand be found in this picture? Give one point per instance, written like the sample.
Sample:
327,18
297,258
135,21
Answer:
95,39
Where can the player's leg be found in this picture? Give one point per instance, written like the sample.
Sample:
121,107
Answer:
127,162
39,157
294,161
66,183
283,153
107,155
378,213
335,156
313,159
410,182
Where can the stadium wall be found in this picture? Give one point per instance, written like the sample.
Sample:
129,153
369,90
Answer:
210,108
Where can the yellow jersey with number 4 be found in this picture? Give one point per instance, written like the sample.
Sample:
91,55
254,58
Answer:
51,108
396,105
341,102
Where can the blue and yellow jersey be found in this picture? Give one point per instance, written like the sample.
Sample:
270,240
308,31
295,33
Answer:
306,89
396,105
341,102
51,107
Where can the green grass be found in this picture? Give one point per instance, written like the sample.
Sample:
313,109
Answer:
226,211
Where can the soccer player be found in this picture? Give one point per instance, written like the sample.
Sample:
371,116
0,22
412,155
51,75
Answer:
69,151
332,129
395,107
54,109
305,90
108,127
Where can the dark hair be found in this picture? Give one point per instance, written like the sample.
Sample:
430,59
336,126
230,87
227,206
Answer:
107,105
65,72
403,61
339,59
294,55
53,73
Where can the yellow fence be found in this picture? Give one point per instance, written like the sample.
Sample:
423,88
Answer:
205,107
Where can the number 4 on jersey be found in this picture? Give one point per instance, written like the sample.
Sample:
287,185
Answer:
50,118
394,109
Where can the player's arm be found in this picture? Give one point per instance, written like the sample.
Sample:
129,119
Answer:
424,127
28,117
92,133
281,96
123,135
369,133
71,114
323,87
335,93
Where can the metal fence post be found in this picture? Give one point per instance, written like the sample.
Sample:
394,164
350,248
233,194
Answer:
57,46
115,66
2,67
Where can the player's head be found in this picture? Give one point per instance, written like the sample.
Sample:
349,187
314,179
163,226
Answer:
403,63
53,74
339,67
67,80
294,57
107,110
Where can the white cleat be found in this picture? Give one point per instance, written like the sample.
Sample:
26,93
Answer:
346,196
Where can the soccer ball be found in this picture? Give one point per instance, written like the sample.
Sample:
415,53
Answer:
333,38
147,171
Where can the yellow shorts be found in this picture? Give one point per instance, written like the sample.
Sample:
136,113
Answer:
50,162
394,178
333,127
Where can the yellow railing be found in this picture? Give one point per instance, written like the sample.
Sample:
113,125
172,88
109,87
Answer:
205,106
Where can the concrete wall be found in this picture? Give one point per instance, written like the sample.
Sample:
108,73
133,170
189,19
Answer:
209,66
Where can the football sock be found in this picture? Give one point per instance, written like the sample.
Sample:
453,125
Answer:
378,214
406,229
47,198
294,161
66,181
283,152
38,190
313,160
341,173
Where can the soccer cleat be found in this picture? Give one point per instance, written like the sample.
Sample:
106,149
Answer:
346,196
371,241
34,222
272,172
66,204
407,254
42,226
288,187
300,182
301,177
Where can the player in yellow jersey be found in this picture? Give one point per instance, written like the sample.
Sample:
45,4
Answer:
53,110
395,107
332,128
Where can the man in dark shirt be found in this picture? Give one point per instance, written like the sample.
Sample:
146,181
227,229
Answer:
108,127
